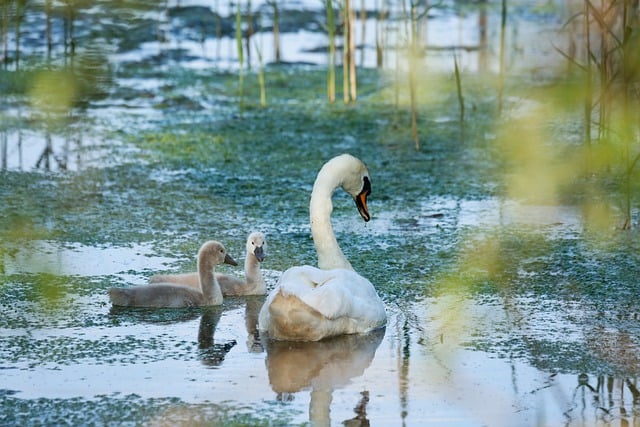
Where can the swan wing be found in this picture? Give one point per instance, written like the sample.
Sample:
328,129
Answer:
334,293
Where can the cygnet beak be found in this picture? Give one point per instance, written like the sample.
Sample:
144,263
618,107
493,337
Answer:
259,253
229,260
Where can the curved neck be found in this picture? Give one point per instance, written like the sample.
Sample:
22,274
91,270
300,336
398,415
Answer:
252,272
320,407
208,284
330,255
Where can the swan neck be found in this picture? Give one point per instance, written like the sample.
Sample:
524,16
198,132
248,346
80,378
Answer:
320,207
320,407
208,283
252,272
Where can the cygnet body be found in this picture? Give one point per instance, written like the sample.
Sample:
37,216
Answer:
208,293
253,284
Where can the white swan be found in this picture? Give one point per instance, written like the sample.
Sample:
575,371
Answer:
309,303
210,254
253,284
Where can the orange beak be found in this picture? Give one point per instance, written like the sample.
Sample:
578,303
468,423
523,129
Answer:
361,200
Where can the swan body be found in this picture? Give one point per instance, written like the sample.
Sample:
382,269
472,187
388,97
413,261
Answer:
253,284
309,303
211,253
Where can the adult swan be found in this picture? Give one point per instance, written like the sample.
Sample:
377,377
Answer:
309,303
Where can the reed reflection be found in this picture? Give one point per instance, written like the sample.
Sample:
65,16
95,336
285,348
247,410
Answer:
609,397
46,151
322,367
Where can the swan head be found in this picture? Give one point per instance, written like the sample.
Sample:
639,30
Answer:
355,180
257,245
214,253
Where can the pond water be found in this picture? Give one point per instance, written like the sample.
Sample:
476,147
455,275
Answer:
407,373
500,312
460,358
469,32
188,366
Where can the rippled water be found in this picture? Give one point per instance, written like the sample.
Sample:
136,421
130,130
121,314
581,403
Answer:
460,358
416,372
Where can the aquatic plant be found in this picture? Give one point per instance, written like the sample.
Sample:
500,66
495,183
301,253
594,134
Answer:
612,69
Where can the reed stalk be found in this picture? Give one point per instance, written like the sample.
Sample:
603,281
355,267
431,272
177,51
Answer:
379,34
331,71
4,32
413,56
20,7
218,27
503,25
261,81
276,31
459,89
363,35
240,54
588,92
248,34
628,49
345,51
353,84
47,12
162,38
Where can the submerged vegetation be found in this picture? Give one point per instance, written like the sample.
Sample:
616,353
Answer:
492,180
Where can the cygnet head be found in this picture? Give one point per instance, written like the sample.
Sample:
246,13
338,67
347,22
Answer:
257,245
355,180
214,253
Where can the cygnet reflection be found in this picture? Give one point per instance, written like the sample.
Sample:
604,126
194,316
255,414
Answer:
212,353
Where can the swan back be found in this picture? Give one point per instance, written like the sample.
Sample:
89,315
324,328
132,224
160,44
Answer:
310,304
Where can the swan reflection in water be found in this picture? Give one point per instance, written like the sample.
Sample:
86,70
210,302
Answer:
210,352
209,322
321,366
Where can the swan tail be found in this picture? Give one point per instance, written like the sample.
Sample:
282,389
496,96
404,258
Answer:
291,319
121,297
